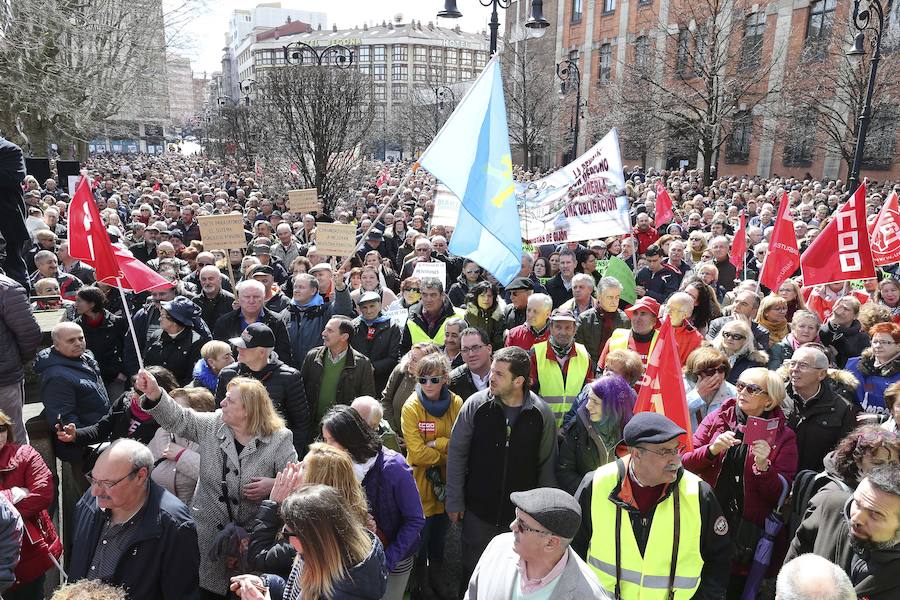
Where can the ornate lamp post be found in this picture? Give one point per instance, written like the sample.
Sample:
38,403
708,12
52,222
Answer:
336,55
536,22
568,70
442,93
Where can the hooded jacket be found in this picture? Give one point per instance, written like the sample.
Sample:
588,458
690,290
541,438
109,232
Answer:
873,380
20,334
305,323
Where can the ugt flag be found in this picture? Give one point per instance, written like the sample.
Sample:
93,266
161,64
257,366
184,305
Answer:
842,251
739,246
471,156
88,240
885,233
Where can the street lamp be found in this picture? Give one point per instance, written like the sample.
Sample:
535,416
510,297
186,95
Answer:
566,70
536,22
441,94
246,86
862,20
340,56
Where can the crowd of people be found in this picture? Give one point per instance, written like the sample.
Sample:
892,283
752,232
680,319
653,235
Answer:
274,422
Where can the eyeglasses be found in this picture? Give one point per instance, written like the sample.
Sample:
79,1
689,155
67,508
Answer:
424,380
287,533
668,452
801,366
473,272
711,371
883,343
414,290
108,485
751,388
518,524
737,337
468,349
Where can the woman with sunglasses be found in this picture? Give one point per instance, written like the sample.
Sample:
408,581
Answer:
772,315
748,478
427,418
704,382
471,275
735,340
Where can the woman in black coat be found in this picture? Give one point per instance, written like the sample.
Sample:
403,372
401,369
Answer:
104,333
176,344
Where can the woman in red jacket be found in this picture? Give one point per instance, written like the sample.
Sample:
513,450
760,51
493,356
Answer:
26,481
748,479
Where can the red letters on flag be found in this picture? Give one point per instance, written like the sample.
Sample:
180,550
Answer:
664,212
664,373
784,254
739,246
885,234
842,251
88,239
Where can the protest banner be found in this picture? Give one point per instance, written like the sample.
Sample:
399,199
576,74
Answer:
431,269
304,201
222,232
446,207
335,239
583,200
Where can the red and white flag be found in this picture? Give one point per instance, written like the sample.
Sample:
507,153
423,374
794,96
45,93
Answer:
664,373
88,240
784,254
885,233
382,178
156,186
841,252
664,212
739,246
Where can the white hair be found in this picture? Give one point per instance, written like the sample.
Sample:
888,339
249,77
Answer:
812,577
251,284
541,300
584,278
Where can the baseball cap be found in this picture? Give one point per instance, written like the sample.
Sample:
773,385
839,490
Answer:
647,303
256,335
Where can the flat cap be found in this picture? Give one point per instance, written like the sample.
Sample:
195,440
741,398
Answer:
323,266
520,283
563,314
368,297
554,509
650,428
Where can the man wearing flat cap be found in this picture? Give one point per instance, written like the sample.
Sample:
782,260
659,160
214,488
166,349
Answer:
516,294
651,529
534,558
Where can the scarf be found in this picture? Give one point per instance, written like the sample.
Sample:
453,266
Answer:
560,351
895,310
436,408
137,413
379,319
777,331
316,300
362,469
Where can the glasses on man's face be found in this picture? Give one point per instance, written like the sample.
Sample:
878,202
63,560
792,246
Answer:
432,380
108,485
522,527
751,388
665,452
737,337
800,366
470,349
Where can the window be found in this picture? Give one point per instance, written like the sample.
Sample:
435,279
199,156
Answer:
419,53
642,52
365,54
399,72
379,53
379,93
399,92
451,75
365,69
465,57
452,56
751,45
818,30
605,64
419,72
480,59
701,50
609,6
798,150
437,75
465,75
400,53
683,52
379,72
577,9
436,55
881,139
739,145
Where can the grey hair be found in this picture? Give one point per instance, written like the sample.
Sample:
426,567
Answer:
376,411
309,279
609,282
811,577
249,283
542,299
585,278
43,255
141,456
819,359
432,283
886,478
456,322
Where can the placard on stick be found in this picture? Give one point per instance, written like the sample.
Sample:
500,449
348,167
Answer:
335,239
431,269
304,201
222,232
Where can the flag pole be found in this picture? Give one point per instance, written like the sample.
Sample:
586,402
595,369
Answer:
387,205
137,347
744,272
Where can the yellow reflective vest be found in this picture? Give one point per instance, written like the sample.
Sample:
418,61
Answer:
559,394
417,334
675,529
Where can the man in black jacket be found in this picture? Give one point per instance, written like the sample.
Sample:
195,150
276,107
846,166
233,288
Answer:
13,232
472,377
214,302
560,285
377,338
251,296
595,325
283,383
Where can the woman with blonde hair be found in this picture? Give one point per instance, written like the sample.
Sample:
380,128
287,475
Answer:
791,292
772,315
735,340
341,559
243,446
804,330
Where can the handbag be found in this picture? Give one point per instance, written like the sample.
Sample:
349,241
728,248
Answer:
745,536
231,543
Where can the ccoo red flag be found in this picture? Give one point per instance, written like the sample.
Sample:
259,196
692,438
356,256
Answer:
841,252
783,257
885,233
664,212
88,240
739,246
664,373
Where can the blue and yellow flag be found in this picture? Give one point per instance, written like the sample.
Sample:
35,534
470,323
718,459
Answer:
471,156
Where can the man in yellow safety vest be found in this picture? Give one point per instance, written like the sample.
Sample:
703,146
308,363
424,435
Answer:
428,316
651,530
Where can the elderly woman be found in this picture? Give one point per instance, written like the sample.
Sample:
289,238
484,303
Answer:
589,440
804,329
243,446
402,382
696,247
772,315
410,293
484,311
748,479
791,292
214,356
176,344
705,382
735,340
709,274
888,294
876,368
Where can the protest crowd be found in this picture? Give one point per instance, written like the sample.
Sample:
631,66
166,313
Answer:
277,421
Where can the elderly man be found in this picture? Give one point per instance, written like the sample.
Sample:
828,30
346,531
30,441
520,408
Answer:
644,232
719,247
630,527
125,517
428,316
859,532
518,292
422,253
746,305
644,315
48,266
276,301
44,239
73,266
165,251
287,248
308,313
372,413
535,557
842,331
811,577
596,325
679,307
582,295
535,328
146,323
214,301
560,367
20,335
251,296
375,336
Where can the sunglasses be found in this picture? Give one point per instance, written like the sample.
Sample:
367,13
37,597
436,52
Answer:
738,337
414,290
751,388
712,371
433,380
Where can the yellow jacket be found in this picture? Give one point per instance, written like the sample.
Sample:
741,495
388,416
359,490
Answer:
419,428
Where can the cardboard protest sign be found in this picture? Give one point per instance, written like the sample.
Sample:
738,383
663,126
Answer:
431,269
335,239
222,232
304,201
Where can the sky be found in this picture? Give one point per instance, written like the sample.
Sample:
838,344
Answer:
203,37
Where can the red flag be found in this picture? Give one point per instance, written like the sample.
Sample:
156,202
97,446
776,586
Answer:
664,212
156,186
88,239
885,233
739,246
784,254
664,373
842,251
257,169
136,275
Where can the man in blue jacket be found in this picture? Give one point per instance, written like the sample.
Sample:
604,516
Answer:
130,532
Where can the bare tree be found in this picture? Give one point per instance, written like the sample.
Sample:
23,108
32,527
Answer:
625,106
316,118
